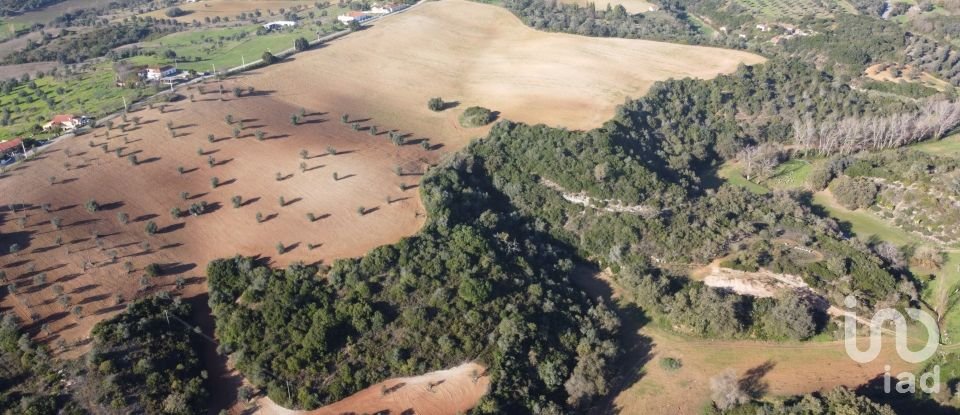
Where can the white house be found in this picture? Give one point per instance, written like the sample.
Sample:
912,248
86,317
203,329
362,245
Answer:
65,122
353,16
155,73
387,8
279,24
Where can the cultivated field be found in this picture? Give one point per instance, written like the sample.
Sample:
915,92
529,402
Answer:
487,57
796,9
244,166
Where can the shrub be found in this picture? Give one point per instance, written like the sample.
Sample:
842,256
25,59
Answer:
670,364
268,58
174,12
151,228
854,193
301,44
435,104
153,270
476,117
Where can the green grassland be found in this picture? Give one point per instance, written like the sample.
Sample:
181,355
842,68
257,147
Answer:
91,93
202,49
949,146
94,92
733,174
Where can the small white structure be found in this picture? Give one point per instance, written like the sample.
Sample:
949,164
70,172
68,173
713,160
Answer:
353,16
763,28
153,74
387,8
279,24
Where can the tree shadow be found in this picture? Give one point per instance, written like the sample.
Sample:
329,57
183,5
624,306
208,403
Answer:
112,205
143,218
172,228
291,247
752,381
291,201
250,201
94,298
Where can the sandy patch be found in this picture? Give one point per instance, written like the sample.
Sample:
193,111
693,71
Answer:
443,392
762,283
881,72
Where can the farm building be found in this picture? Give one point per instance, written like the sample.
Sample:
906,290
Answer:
353,17
387,8
10,146
65,122
279,24
155,73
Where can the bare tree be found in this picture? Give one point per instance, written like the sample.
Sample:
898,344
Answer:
726,390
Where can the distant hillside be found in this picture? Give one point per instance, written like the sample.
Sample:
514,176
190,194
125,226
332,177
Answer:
10,7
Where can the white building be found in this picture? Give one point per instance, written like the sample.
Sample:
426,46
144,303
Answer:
279,24
387,8
353,16
153,74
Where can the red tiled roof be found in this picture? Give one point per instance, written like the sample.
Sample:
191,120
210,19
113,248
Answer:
10,144
62,118
356,14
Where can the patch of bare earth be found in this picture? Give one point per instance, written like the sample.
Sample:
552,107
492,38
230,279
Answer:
884,72
762,283
16,71
444,392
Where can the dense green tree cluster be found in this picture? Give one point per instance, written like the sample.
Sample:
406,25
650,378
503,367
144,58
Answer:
479,283
668,23
145,360
92,44
837,401
29,383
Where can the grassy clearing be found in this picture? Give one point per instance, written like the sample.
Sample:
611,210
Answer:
864,224
949,146
732,173
200,50
790,175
